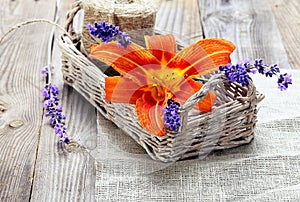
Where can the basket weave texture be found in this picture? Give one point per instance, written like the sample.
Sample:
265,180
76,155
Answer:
230,124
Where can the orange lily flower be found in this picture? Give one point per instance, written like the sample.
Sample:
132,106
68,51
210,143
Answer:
152,76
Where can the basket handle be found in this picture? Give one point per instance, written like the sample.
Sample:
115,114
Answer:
76,7
201,94
69,26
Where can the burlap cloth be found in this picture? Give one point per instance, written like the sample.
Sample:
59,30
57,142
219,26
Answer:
268,169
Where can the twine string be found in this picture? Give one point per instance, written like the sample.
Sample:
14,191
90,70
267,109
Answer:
22,24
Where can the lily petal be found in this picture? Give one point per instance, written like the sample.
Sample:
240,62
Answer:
150,116
202,57
122,59
207,103
188,88
121,90
163,47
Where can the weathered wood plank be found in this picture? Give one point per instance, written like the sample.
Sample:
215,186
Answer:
287,15
68,173
180,18
21,113
249,24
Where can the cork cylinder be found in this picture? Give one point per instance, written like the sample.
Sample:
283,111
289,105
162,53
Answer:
135,17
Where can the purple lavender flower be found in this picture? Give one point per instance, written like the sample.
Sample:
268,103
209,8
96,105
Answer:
273,70
284,80
260,66
240,73
265,69
45,93
124,40
237,73
108,33
60,130
54,111
45,70
171,116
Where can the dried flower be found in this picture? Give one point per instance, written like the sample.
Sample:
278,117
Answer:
45,69
54,110
171,116
240,73
260,66
237,73
283,81
274,69
109,33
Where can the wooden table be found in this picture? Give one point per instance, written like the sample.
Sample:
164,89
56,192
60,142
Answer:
33,165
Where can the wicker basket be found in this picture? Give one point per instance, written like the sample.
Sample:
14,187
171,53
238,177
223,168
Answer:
230,124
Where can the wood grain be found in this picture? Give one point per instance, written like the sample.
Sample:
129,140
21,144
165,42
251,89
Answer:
20,57
180,18
250,24
33,164
287,15
68,173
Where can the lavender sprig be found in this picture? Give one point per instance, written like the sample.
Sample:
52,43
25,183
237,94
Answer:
54,110
50,92
107,33
171,116
240,73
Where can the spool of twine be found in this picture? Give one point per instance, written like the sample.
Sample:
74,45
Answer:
135,17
